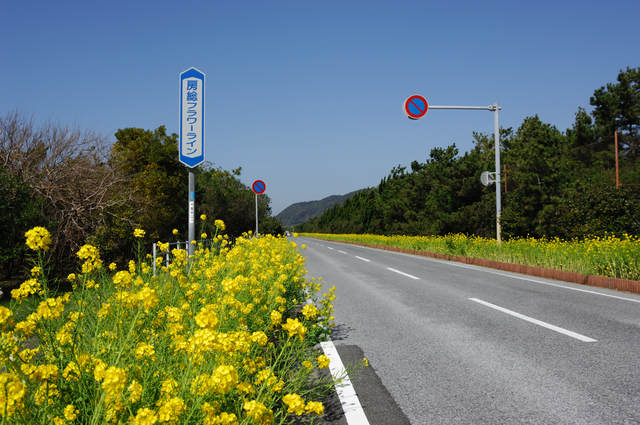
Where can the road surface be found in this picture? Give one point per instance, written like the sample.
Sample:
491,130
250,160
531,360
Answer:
455,343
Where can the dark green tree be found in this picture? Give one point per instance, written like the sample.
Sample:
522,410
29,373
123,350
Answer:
540,163
154,197
222,196
617,107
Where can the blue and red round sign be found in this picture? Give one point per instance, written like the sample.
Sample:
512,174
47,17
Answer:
258,187
415,107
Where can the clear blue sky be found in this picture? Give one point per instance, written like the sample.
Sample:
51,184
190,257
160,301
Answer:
307,95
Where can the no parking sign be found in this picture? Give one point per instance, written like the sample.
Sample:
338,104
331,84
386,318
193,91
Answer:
415,107
258,187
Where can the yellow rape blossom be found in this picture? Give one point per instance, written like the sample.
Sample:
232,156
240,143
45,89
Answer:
294,327
276,318
145,416
323,361
170,410
310,311
91,257
295,403
12,393
138,233
314,407
135,391
38,238
114,381
70,412
27,288
259,412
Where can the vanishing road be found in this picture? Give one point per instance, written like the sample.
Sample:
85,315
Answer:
460,344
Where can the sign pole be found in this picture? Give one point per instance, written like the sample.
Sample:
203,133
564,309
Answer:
191,148
496,120
416,107
258,188
192,211
256,214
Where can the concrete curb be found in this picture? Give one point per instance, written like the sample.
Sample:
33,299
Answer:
565,276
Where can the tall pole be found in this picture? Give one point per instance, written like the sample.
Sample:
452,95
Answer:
256,214
617,175
495,108
192,212
496,119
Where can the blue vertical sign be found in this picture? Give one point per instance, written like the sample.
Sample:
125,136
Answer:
192,117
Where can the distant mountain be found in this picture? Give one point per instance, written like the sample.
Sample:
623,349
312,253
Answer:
302,212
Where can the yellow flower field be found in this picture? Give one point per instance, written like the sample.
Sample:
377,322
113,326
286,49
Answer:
202,343
607,256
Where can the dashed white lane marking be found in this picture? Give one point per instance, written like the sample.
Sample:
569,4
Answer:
348,398
487,270
363,259
342,252
329,247
537,322
402,273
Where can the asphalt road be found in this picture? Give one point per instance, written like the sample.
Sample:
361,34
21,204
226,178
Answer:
454,343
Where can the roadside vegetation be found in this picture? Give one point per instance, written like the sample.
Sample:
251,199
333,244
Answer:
223,337
86,188
610,256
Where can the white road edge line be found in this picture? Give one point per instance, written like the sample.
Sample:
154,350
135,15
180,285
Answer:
402,273
537,322
488,270
351,406
363,259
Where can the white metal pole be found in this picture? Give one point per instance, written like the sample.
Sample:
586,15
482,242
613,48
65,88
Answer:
192,212
495,108
497,178
256,215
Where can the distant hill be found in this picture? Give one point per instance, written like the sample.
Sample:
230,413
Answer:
302,212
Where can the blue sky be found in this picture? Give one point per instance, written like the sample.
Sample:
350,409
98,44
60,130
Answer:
307,95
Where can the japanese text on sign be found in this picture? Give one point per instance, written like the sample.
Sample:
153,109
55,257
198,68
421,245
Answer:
191,140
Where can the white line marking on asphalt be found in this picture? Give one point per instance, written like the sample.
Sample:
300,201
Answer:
402,273
537,322
488,270
342,252
363,259
348,398
329,247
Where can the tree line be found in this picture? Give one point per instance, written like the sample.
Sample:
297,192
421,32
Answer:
554,184
86,188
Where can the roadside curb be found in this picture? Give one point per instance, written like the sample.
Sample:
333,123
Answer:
565,276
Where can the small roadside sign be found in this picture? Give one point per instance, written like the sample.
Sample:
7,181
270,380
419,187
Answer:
192,117
258,187
415,107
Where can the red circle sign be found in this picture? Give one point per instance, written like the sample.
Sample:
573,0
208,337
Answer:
415,107
258,187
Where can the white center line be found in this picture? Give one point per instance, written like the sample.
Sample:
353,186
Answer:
537,322
402,273
363,259
342,252
329,247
